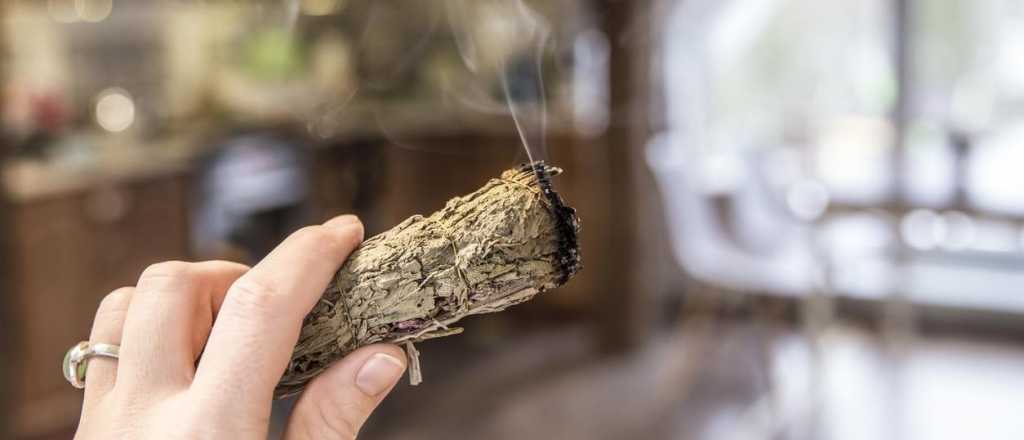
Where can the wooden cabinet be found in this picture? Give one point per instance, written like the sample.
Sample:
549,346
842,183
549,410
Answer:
67,251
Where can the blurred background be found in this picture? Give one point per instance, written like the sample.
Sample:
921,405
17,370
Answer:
803,219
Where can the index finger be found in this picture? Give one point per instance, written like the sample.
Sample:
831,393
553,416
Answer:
261,317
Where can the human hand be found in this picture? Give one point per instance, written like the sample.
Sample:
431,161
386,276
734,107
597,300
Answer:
245,323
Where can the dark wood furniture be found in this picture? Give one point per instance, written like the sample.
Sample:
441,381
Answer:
65,252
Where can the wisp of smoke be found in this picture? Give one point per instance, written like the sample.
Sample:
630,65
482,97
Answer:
500,43
522,59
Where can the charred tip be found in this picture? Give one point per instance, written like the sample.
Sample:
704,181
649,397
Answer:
541,168
570,260
566,220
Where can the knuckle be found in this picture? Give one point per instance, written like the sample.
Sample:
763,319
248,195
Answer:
175,270
226,266
116,301
254,295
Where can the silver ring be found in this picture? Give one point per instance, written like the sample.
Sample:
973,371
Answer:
76,360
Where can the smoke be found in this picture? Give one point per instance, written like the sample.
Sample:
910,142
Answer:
385,30
462,58
507,39
542,36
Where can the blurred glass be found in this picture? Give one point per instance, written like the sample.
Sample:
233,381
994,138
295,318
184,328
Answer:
780,141
785,170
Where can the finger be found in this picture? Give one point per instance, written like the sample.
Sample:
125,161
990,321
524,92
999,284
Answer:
168,321
208,305
106,329
258,326
337,403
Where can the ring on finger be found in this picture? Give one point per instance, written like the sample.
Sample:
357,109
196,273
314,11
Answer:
76,360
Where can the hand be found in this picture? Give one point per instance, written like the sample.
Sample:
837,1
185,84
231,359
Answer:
245,323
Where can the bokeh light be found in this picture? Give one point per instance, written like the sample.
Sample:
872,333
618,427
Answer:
321,7
115,110
62,11
807,199
94,11
923,229
960,230
73,11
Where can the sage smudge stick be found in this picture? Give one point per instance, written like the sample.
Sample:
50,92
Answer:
497,247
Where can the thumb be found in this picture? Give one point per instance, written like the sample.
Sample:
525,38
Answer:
337,403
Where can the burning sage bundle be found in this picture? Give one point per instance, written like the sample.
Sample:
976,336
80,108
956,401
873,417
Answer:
482,253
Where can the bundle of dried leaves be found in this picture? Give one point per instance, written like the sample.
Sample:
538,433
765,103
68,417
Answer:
482,253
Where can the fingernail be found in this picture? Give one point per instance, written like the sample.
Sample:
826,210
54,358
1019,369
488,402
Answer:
344,220
346,223
378,374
